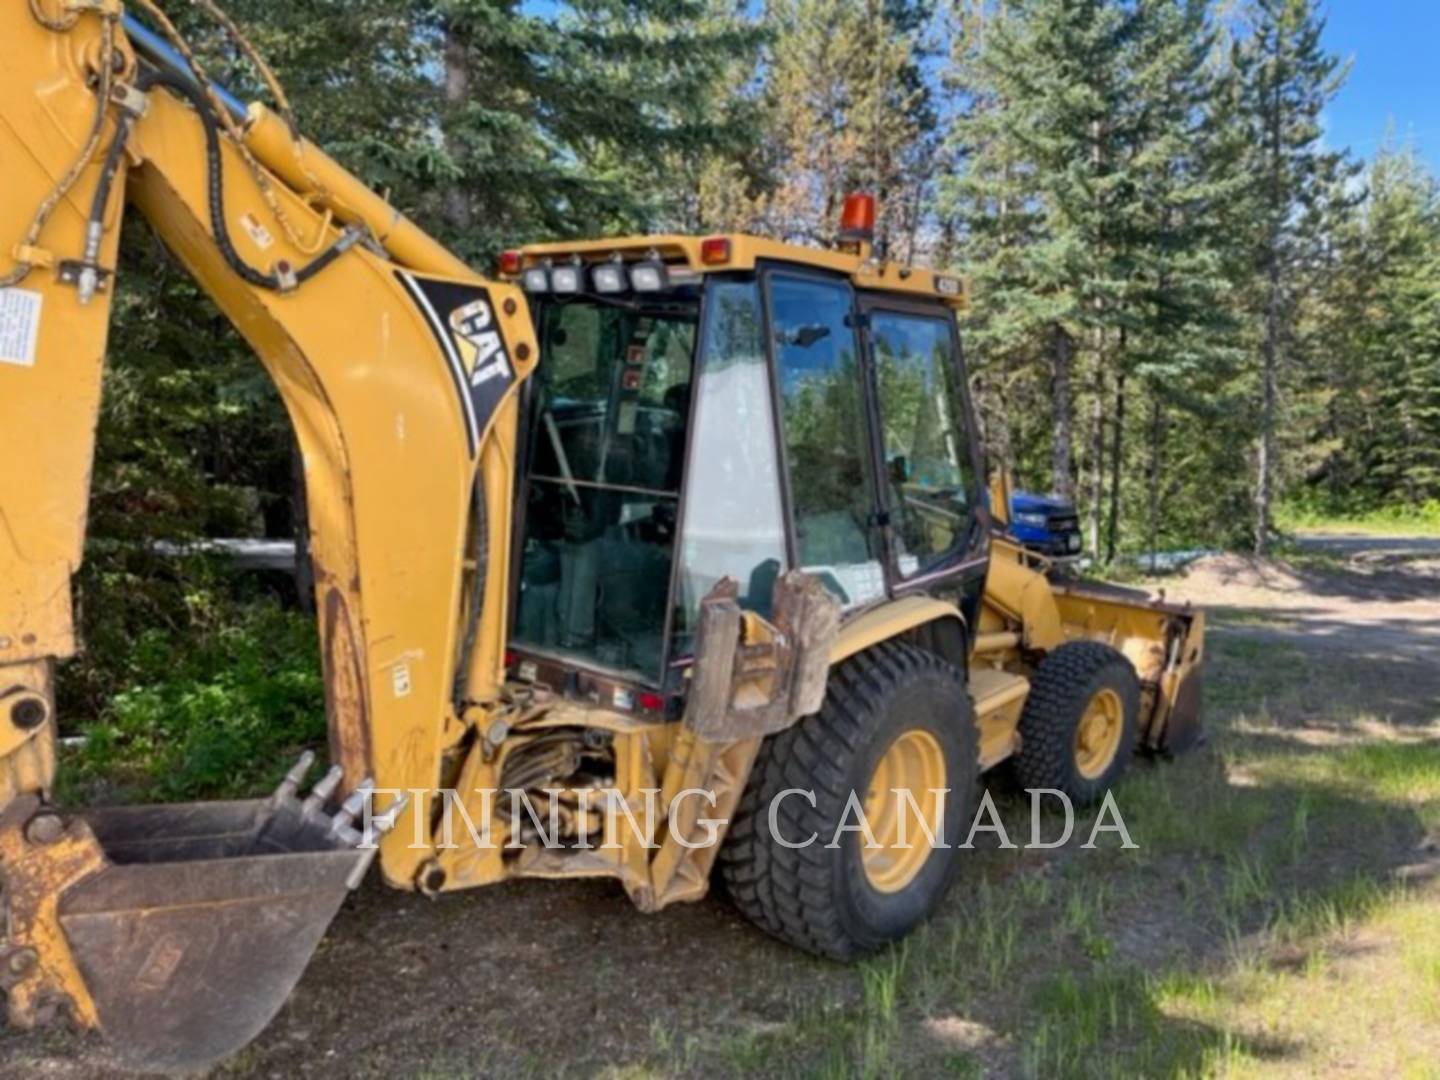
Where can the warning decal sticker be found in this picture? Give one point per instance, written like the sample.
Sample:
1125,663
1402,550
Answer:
19,326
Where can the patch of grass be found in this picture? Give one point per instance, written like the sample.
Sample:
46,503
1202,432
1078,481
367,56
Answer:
678,1049
1400,775
1422,519
1365,992
1112,1023
1194,817
993,935
1329,911
1251,675
1250,617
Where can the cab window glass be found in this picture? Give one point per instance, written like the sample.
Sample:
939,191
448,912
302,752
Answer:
927,461
817,367
610,409
734,519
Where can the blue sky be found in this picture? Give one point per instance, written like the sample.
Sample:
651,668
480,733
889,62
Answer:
1394,46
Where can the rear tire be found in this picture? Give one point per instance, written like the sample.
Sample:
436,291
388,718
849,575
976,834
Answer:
1067,741
892,703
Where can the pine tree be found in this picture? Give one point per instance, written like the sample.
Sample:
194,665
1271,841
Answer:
1382,329
1404,228
1096,168
1184,150
988,204
1287,78
1057,70
715,182
848,110
564,123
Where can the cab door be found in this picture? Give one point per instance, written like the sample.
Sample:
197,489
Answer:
926,448
823,411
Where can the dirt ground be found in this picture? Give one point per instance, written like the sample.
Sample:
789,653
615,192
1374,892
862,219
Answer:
1255,902
1361,595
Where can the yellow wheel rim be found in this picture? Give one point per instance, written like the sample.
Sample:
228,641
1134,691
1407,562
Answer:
902,827
1097,736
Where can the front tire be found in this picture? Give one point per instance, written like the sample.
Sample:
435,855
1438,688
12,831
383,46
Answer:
1080,722
893,716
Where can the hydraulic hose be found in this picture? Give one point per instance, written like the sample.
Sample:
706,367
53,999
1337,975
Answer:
215,173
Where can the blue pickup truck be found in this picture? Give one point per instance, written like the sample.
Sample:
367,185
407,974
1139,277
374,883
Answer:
1045,524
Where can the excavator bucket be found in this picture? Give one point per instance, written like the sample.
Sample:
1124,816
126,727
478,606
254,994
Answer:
200,918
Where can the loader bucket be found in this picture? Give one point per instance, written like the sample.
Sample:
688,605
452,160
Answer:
1184,730
1164,641
203,918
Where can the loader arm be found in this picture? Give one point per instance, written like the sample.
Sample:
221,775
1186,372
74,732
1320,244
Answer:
398,368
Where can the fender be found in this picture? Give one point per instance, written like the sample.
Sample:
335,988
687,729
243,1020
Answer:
890,620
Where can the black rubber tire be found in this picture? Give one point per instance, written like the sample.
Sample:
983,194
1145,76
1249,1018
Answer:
1062,687
818,898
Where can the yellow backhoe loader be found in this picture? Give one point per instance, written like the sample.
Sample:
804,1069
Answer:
648,555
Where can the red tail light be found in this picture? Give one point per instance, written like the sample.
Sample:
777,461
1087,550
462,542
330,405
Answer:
715,249
651,702
857,219
510,658
510,262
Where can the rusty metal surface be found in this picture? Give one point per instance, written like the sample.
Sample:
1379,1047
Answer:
752,676
717,638
187,961
347,711
178,931
1184,729
40,856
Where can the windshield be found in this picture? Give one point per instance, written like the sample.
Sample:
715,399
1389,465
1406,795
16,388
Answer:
607,435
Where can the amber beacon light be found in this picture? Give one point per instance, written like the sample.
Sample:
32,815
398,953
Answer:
857,218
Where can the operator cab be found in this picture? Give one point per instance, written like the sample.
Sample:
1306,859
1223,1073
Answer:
729,407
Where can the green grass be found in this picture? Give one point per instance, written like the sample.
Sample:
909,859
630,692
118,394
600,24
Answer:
1419,520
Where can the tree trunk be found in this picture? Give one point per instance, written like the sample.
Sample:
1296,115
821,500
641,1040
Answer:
1117,447
1265,458
1264,465
458,213
1096,464
1152,474
1097,413
1062,406
1001,439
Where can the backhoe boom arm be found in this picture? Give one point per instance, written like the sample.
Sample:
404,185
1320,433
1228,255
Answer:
398,368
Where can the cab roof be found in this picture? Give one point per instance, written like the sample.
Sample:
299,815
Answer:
739,251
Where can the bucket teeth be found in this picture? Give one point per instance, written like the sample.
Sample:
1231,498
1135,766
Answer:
321,792
381,824
342,824
307,825
291,784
